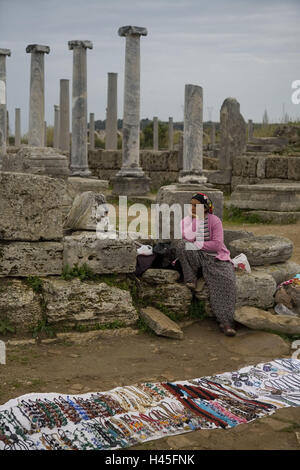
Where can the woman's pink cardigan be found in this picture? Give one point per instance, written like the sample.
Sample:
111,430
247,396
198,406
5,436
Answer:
189,226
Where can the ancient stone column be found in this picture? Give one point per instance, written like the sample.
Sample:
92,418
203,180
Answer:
171,134
56,127
17,127
111,127
250,130
3,117
92,131
213,136
155,133
45,134
136,182
232,133
64,123
79,155
7,128
131,118
37,98
193,136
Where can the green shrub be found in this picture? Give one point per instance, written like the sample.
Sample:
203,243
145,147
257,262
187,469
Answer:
146,139
6,326
43,329
143,327
197,309
84,273
234,215
99,143
35,283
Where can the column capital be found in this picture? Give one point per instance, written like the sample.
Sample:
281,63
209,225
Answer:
5,52
132,31
80,44
37,48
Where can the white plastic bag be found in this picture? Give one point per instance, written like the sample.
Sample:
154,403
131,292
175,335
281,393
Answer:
241,262
281,309
145,250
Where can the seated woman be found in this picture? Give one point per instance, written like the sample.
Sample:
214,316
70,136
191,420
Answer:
209,253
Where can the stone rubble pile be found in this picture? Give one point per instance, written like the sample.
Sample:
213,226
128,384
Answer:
37,238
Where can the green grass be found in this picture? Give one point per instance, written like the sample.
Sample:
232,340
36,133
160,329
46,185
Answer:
114,281
197,309
235,216
84,273
144,328
43,329
6,326
266,130
35,283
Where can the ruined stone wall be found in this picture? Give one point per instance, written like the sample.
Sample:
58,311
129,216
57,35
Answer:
161,166
253,169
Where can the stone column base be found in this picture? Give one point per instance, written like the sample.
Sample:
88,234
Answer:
82,172
130,185
191,177
37,160
182,194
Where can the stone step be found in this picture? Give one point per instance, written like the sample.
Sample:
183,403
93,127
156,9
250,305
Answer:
274,197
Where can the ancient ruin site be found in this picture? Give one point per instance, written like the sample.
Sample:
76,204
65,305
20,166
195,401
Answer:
119,327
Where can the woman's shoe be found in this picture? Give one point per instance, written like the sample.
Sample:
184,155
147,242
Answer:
191,285
228,330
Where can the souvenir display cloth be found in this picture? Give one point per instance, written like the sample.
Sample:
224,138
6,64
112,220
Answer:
295,281
126,416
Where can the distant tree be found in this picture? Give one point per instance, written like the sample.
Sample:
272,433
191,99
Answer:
265,119
99,143
147,136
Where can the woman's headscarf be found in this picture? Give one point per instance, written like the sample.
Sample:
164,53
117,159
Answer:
204,199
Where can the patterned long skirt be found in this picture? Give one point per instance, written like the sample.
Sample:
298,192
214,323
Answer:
218,275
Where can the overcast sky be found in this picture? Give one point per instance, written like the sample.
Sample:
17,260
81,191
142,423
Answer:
247,49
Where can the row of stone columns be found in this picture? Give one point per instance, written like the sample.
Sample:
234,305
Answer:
193,121
79,165
131,178
3,114
156,134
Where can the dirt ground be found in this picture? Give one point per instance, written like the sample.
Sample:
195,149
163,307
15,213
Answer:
113,359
